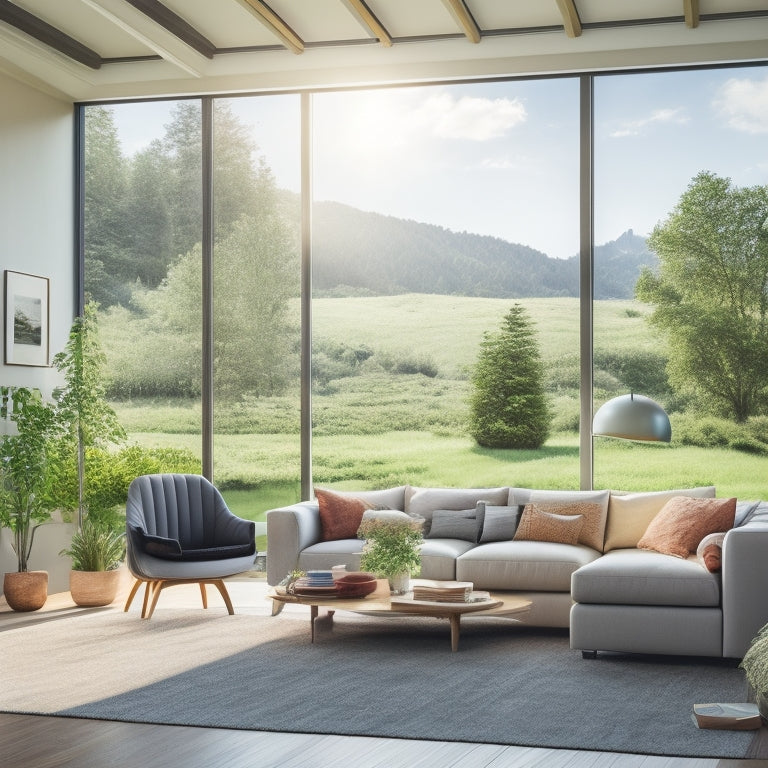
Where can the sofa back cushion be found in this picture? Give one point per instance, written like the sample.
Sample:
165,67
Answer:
424,501
630,514
592,505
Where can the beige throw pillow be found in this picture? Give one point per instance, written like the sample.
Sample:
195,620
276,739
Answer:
629,514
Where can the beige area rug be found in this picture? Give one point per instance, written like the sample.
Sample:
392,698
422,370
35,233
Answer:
364,675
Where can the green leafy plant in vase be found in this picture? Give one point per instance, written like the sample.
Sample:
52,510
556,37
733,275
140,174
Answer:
24,474
391,550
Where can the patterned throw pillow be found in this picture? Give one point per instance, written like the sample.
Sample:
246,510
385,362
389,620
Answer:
683,522
537,525
340,516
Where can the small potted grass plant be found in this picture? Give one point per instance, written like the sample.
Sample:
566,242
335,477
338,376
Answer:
96,552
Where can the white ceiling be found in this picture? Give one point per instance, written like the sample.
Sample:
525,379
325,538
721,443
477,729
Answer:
85,50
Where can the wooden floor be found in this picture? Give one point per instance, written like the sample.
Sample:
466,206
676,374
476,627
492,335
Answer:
31,741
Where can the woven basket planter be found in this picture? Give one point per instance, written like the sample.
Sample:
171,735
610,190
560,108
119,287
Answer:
93,588
26,590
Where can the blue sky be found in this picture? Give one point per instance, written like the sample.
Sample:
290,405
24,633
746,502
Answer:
501,159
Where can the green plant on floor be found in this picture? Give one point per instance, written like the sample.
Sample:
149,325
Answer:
24,466
95,547
755,666
391,546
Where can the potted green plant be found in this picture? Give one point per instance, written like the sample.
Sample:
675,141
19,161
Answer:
391,550
755,666
96,552
24,469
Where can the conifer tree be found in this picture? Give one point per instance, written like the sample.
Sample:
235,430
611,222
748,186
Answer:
508,405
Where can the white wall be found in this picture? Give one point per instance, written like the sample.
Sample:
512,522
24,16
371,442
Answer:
37,237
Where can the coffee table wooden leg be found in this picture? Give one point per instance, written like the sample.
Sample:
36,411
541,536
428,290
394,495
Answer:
312,617
455,619
277,607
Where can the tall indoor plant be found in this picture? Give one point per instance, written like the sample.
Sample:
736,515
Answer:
89,423
81,402
24,474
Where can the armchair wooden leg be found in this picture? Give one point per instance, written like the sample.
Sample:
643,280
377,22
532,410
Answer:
225,595
203,594
157,588
134,589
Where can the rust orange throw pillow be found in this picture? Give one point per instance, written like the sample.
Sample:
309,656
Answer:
340,516
711,556
683,522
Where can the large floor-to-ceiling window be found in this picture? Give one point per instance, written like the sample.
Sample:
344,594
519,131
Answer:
428,212
658,138
436,210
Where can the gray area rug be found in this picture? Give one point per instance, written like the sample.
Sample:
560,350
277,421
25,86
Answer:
365,676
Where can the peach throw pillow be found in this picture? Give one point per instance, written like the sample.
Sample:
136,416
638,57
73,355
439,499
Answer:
537,525
683,522
340,516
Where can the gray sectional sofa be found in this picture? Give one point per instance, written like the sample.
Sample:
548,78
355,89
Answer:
612,595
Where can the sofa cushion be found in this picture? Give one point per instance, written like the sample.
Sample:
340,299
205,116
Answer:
629,514
424,501
340,515
438,557
538,525
454,524
538,566
683,522
642,577
593,505
499,523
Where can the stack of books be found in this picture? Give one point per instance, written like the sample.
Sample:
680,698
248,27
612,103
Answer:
318,579
443,591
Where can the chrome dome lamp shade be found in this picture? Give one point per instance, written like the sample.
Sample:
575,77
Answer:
632,417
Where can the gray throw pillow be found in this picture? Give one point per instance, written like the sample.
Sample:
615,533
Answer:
454,524
500,523
744,512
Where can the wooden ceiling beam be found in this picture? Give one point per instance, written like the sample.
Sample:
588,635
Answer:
368,19
274,23
464,18
571,20
43,32
691,9
167,19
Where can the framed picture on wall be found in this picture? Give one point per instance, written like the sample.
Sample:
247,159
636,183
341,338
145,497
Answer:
26,319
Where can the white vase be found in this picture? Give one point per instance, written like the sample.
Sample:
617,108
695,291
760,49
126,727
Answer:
399,583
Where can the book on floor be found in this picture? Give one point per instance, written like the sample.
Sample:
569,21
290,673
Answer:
733,717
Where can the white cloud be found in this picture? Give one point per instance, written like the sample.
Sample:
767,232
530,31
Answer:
744,104
636,127
468,117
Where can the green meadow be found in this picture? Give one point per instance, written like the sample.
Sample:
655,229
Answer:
379,428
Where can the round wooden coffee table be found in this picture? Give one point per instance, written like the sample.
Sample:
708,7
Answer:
381,603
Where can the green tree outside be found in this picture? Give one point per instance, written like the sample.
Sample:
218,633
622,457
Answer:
508,406
710,295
